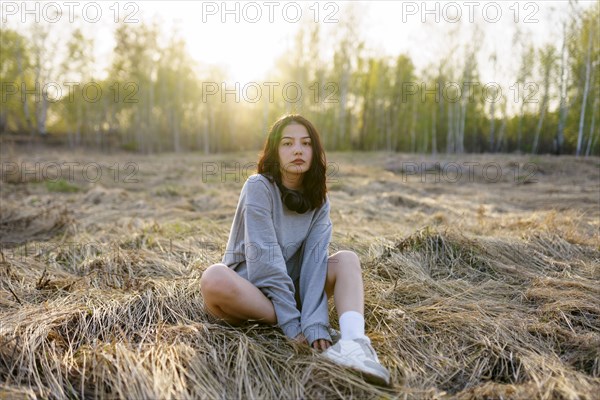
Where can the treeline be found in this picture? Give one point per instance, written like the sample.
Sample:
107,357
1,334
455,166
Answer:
156,98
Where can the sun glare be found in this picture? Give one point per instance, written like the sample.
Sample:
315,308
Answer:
245,39
225,36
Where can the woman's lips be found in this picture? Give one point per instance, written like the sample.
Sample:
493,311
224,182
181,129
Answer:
298,161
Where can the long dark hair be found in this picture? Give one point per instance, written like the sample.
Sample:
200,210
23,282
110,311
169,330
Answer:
313,180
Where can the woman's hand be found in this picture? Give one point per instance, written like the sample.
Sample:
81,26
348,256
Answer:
300,339
321,344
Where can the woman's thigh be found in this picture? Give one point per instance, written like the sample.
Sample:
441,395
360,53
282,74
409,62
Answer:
235,296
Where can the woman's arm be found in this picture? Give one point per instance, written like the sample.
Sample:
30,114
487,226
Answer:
264,260
313,273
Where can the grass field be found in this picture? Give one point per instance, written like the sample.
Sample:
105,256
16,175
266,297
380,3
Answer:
483,285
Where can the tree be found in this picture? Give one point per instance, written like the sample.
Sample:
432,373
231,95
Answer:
469,72
76,67
494,60
14,62
134,64
547,64
593,134
522,84
348,50
564,79
586,88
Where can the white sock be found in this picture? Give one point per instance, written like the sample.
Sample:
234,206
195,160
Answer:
352,326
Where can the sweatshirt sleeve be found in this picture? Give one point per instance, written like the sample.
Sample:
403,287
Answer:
315,311
264,260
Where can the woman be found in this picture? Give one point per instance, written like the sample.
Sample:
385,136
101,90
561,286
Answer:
276,269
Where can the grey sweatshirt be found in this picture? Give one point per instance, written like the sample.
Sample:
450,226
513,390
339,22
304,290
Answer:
284,254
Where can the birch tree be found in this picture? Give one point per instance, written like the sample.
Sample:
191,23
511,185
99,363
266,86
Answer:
564,79
523,87
586,88
547,63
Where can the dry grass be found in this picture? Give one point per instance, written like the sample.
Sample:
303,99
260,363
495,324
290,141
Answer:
474,289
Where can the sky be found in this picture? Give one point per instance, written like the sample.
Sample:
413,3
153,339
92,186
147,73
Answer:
246,38
249,48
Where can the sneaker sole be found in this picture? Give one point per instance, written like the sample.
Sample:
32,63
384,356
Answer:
368,376
371,378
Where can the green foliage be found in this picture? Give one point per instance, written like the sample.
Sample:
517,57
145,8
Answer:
14,60
157,98
61,186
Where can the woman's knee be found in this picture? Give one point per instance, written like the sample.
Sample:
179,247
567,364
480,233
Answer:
345,259
344,262
216,280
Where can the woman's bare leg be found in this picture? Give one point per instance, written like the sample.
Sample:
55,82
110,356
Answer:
344,282
232,298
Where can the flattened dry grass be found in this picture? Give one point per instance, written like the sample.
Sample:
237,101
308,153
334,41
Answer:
490,318
501,303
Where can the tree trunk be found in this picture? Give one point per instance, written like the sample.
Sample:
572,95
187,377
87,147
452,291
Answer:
588,68
538,129
450,131
388,130
425,139
501,138
492,124
433,133
342,116
590,141
544,106
502,130
413,123
461,127
206,132
563,94
22,73
151,131
42,114
520,127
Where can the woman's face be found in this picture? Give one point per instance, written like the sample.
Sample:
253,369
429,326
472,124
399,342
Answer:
295,151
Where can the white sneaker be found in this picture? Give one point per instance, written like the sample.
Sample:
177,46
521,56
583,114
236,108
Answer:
335,335
359,355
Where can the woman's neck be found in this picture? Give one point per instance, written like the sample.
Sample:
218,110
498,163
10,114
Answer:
292,181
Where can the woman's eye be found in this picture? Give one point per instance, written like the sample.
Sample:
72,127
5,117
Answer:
307,143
